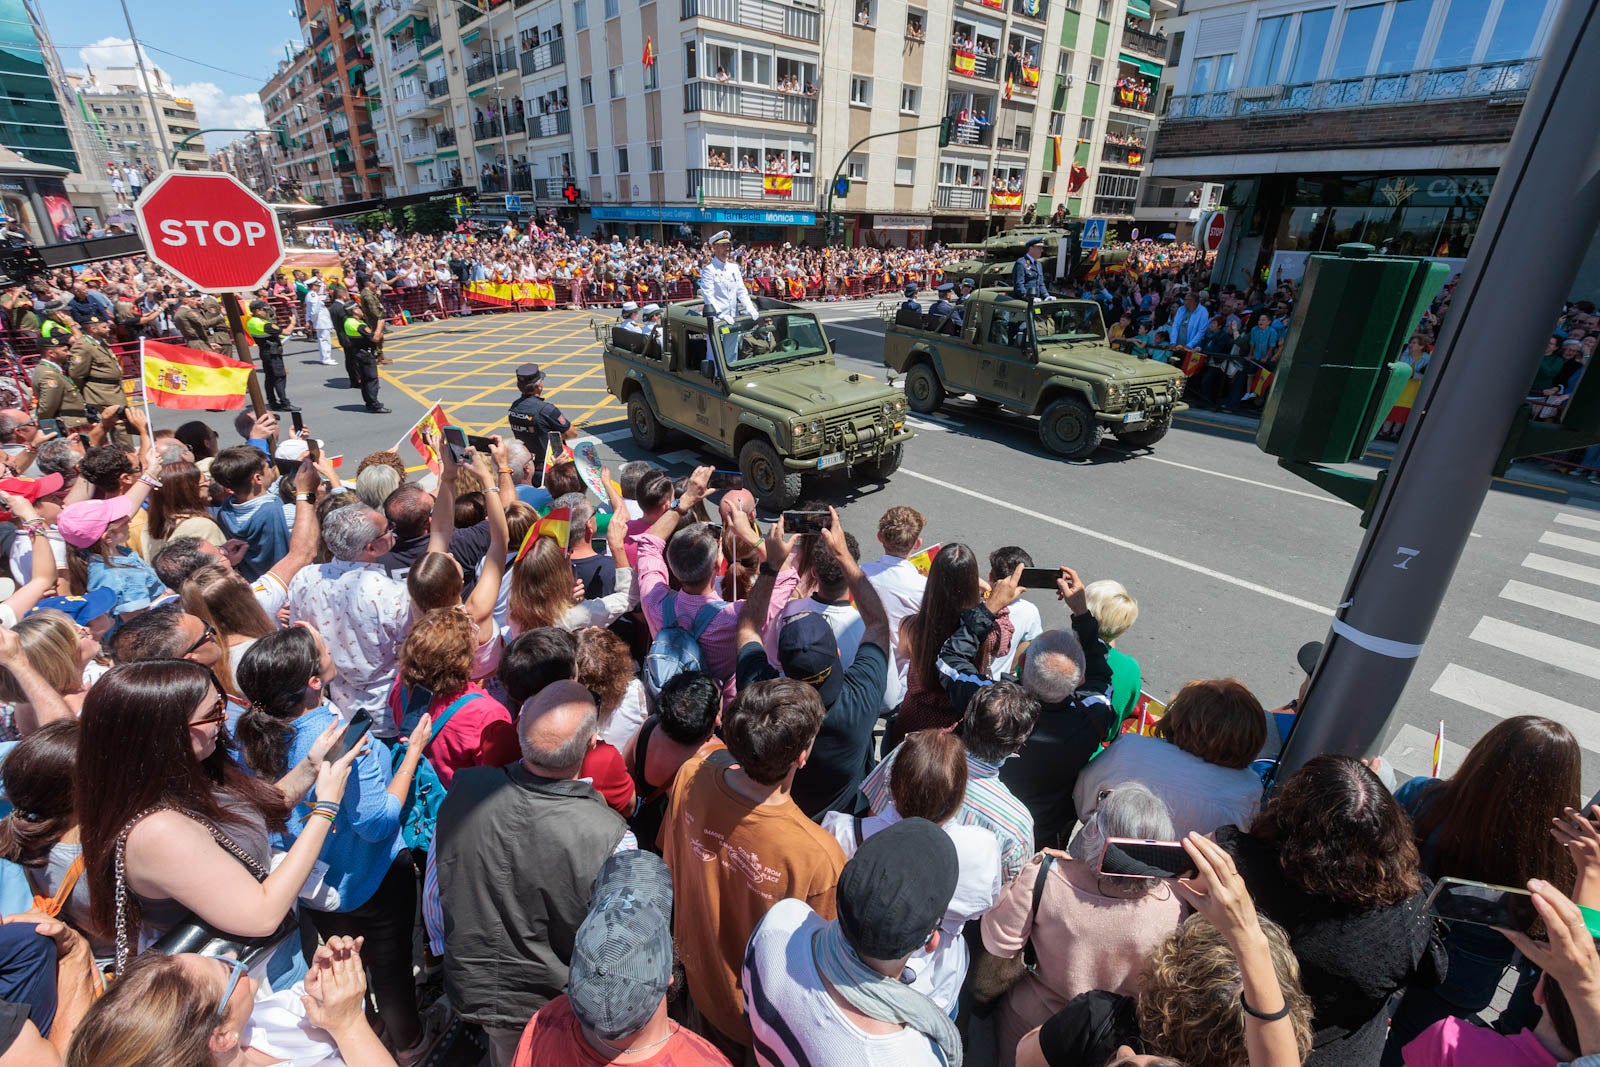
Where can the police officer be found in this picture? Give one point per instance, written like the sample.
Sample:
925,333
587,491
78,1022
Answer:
533,418
911,303
722,288
340,309
1027,277
53,391
268,337
361,348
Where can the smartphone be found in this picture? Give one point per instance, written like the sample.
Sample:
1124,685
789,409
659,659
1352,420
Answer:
480,444
456,438
723,481
1040,577
287,467
314,449
419,698
806,522
299,423
360,723
1482,904
1129,857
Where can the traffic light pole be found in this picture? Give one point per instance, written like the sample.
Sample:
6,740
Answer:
834,181
1537,224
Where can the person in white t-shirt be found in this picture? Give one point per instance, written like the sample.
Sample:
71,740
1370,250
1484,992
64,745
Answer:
830,599
1019,622
899,583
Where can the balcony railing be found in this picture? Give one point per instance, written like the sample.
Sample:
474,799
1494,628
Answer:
1113,205
409,105
549,188
544,56
724,98
719,184
787,20
1033,9
402,54
481,70
445,136
485,129
1153,45
1123,155
970,64
426,37
553,125
971,134
416,146
467,13
515,124
1140,97
1380,90
397,9
437,88
964,197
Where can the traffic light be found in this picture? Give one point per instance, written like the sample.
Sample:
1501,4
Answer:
836,228
944,130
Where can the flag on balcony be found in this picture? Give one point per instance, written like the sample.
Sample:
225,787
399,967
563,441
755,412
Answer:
1055,151
996,4
1030,76
1033,8
1002,201
1076,177
965,62
777,185
1007,93
1135,157
649,52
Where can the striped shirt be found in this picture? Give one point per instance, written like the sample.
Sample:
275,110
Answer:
988,804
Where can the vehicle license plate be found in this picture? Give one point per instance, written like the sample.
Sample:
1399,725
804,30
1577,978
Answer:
835,460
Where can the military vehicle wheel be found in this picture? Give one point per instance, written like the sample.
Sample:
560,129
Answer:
924,391
1068,428
643,424
1145,438
880,469
775,487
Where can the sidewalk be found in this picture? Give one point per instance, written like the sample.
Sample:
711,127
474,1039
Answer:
1524,474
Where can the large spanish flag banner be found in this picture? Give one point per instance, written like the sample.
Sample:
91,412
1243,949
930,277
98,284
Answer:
965,62
505,294
777,185
436,420
999,201
176,376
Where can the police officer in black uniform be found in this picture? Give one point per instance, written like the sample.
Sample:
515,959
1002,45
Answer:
1027,276
911,302
264,330
533,418
941,313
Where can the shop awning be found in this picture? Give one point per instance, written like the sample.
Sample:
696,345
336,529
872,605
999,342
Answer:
1139,7
1146,67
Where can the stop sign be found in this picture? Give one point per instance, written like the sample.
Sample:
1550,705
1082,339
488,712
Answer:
210,230
1214,230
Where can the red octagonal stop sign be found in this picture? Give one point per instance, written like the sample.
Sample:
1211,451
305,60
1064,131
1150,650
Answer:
210,230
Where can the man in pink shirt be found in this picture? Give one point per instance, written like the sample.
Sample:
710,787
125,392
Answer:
654,496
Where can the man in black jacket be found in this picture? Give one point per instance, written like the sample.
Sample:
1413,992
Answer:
1067,672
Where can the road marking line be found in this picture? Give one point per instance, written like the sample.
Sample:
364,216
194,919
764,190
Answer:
1546,648
1562,568
1323,497
1537,596
1504,700
1580,523
1176,561
853,329
1576,544
1410,752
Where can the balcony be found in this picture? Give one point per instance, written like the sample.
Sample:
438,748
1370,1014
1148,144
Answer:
1509,80
515,125
444,136
466,14
721,184
549,188
426,37
1153,45
964,197
409,105
395,10
344,165
481,70
521,180
786,20
1134,94
1123,155
1031,9
970,64
726,98
544,56
552,125
971,134
384,156
1114,205
484,129
403,54
416,146
437,89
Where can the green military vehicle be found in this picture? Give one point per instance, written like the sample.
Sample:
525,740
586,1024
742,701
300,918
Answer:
1048,358
779,406
991,261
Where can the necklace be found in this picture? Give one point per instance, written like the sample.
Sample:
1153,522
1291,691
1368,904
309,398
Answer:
671,1031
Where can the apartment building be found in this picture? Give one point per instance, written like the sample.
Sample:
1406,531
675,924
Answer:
253,158
1328,121
123,116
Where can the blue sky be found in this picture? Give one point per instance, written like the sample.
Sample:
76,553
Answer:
218,54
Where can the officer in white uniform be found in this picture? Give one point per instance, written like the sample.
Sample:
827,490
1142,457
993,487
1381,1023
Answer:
652,321
630,318
722,289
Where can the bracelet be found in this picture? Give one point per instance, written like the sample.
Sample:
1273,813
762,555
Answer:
329,815
1266,1017
154,483
36,528
504,470
767,570
495,489
302,498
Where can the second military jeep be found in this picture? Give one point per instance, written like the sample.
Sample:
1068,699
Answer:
764,392
1047,358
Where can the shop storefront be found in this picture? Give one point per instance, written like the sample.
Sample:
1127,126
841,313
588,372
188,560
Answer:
746,225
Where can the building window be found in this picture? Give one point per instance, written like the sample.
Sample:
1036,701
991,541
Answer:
916,24
905,170
856,167
1058,123
1310,42
580,14
1023,138
586,90
655,159
1044,184
1404,39
1270,37
1064,64
622,160
866,12
1105,10
594,162
613,9
1086,129
910,100
614,79
861,92
652,79
1094,72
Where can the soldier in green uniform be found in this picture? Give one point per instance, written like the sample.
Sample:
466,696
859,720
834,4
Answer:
194,324
216,320
94,369
268,337
54,394
372,310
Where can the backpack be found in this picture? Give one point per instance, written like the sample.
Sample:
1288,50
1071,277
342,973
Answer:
675,648
420,813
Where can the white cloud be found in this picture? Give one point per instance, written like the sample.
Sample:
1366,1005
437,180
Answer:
213,106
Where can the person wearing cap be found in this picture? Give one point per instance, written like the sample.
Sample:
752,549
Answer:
652,321
98,530
615,1006
361,351
810,650
723,291
320,322
630,318
830,991
267,336
942,310
911,303
1027,276
55,396
38,553
502,831
195,325
533,418
97,373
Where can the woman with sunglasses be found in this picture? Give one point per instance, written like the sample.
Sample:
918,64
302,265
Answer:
198,1011
173,827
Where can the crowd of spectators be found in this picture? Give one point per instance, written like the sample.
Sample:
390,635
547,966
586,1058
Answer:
669,785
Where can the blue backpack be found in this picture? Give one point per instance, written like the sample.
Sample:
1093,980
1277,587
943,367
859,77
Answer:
676,648
420,813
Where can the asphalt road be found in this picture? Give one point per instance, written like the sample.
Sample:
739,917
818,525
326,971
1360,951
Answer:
1234,561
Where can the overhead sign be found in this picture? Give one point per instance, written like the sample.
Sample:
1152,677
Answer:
902,222
210,230
1094,234
513,203
1215,227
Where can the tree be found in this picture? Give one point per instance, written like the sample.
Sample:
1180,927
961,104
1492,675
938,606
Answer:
431,217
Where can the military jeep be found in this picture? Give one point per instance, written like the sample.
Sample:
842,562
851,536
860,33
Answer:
764,392
1048,358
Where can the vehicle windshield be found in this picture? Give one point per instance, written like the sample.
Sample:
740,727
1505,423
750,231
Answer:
1067,321
776,338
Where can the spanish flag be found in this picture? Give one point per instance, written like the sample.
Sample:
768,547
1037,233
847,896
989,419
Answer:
190,379
1055,151
1030,77
777,185
1007,93
551,456
1135,158
965,62
554,525
923,560
435,420
649,52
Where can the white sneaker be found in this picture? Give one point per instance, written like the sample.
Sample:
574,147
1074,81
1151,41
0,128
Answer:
327,362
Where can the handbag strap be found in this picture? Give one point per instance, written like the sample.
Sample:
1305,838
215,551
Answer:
69,881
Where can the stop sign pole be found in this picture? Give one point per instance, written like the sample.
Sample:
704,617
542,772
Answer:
219,236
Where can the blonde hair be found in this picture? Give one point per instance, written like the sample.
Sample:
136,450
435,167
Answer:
156,1014
541,587
1112,608
50,643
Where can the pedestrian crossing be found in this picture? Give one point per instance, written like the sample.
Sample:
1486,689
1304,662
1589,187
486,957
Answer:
1538,655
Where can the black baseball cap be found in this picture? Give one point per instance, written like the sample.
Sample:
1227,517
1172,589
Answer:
808,651
897,888
1308,655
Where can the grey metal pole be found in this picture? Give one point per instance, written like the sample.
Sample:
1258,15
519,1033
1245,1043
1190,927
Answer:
149,93
1536,226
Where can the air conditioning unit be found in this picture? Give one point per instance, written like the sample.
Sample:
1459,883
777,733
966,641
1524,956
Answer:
1256,92
1066,81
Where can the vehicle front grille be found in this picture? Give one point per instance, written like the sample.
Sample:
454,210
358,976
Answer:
857,428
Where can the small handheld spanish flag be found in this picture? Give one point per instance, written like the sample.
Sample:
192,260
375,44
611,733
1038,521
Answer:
191,379
554,525
1438,749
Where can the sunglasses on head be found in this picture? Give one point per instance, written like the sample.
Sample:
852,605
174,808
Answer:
239,970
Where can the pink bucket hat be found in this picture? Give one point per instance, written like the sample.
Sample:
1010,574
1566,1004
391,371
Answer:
83,524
